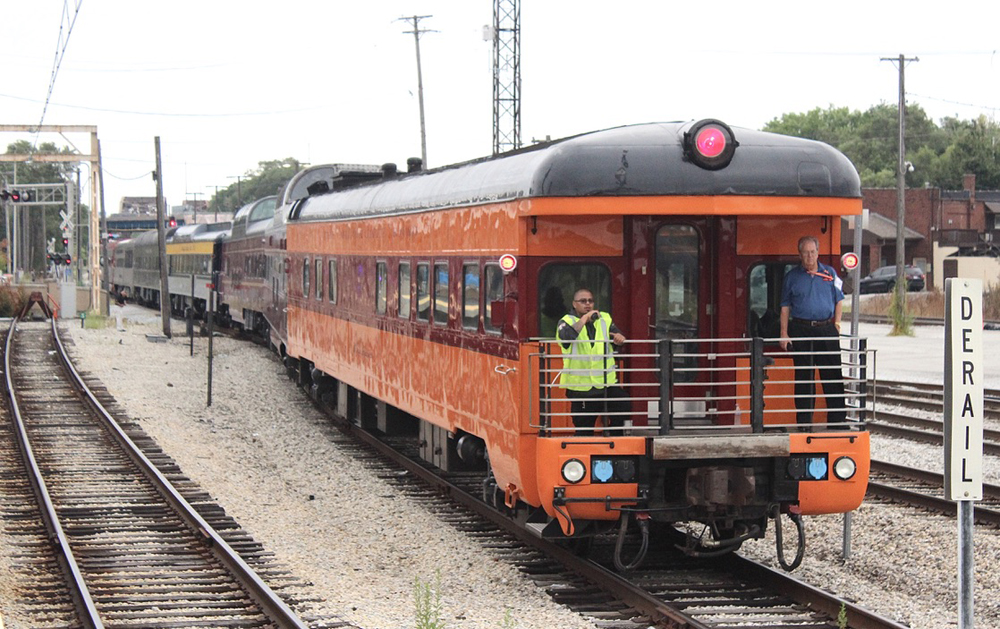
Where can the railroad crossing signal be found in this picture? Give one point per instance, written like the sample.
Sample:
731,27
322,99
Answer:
15,195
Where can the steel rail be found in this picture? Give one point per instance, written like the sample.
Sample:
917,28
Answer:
627,592
612,582
923,436
83,601
989,490
982,515
260,592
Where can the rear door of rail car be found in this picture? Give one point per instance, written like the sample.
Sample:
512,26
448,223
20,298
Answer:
674,259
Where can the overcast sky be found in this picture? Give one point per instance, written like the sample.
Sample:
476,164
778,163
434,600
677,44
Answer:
227,84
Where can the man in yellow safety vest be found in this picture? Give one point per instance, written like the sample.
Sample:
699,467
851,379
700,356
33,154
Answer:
588,372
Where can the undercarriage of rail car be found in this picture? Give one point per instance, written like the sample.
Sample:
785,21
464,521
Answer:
688,454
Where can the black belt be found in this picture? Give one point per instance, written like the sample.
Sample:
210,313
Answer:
814,324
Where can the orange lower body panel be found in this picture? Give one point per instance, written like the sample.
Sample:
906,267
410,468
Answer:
834,495
586,499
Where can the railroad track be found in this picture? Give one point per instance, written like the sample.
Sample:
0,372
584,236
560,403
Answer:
669,590
117,544
922,488
925,489
927,398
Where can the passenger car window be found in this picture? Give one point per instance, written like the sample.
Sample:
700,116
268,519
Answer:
764,296
381,287
305,278
470,296
405,289
441,293
331,278
558,282
494,292
319,278
423,292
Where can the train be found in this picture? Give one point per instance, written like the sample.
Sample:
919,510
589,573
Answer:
425,303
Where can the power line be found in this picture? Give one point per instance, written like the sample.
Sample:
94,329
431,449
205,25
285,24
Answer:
954,102
174,115
60,54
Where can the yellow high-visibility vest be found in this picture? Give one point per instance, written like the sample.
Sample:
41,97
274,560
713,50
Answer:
588,363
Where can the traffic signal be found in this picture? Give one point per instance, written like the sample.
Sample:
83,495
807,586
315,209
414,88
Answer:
171,222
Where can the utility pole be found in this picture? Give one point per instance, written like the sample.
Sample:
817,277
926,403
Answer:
239,193
506,75
899,325
77,230
194,208
215,202
161,239
103,230
417,32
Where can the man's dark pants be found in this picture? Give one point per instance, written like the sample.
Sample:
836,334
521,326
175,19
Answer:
810,356
587,405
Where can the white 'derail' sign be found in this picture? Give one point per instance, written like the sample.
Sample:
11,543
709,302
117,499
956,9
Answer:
963,389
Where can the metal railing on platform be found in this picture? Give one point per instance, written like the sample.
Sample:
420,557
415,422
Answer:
708,386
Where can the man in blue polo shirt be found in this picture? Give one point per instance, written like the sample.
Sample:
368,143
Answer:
811,300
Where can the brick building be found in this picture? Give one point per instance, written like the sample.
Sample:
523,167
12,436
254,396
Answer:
954,219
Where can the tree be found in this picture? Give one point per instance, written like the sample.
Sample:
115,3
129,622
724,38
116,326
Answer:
267,179
870,140
974,149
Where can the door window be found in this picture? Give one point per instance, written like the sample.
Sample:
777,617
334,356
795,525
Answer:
677,267
677,292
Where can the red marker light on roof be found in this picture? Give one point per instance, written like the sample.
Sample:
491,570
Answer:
710,144
849,260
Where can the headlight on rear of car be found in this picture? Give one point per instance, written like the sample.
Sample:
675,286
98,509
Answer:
573,471
844,468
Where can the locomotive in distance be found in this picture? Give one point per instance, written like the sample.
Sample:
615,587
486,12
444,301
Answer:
384,294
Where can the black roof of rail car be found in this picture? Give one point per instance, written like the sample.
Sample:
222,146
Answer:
635,160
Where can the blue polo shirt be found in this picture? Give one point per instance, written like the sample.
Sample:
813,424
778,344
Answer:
811,296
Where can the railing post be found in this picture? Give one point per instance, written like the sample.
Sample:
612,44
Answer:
863,380
544,405
666,386
757,384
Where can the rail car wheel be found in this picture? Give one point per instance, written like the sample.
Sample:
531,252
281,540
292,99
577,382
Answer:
492,494
579,546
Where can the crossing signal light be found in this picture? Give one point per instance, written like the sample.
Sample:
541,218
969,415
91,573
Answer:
68,261
15,195
65,242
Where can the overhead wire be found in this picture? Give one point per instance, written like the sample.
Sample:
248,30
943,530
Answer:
61,45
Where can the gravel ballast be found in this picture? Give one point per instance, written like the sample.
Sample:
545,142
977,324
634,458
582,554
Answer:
265,454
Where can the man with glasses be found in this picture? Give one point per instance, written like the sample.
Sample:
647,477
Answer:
811,300
588,373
